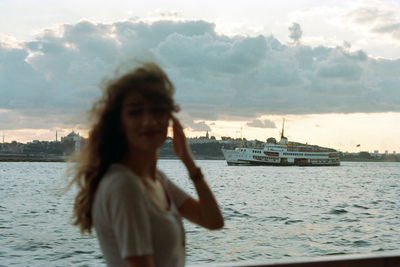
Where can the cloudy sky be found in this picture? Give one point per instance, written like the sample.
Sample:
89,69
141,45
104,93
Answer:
330,68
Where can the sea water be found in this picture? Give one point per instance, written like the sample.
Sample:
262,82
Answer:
270,213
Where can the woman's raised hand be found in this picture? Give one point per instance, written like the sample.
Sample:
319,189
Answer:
180,144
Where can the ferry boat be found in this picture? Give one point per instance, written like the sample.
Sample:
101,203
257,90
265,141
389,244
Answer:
283,153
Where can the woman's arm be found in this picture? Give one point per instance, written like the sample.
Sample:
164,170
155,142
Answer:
205,211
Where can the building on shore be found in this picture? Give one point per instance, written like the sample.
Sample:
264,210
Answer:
13,147
74,138
203,139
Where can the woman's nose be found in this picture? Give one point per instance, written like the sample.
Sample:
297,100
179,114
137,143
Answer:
148,118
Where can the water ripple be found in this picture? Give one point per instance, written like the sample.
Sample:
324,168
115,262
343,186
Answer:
270,213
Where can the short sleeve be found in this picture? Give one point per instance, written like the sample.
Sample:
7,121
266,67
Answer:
130,219
177,194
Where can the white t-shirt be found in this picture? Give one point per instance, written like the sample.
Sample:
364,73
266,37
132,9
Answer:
128,223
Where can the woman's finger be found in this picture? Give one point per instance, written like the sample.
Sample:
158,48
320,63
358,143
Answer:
176,122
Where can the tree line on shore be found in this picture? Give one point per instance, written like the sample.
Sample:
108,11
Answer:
211,150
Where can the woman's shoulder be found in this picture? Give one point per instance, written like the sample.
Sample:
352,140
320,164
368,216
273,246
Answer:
163,177
120,177
168,183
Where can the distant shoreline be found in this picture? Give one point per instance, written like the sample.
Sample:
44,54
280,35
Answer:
5,157
32,158
60,158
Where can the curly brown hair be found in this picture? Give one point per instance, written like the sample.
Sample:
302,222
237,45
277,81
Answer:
106,143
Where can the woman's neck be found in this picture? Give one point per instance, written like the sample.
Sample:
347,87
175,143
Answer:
143,164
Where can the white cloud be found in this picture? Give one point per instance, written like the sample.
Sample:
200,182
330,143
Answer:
379,18
197,126
217,77
262,124
390,28
295,32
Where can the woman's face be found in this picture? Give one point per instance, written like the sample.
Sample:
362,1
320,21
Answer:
144,123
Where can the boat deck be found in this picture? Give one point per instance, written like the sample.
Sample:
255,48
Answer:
365,260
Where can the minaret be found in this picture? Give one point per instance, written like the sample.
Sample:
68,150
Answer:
284,140
207,136
283,129
56,136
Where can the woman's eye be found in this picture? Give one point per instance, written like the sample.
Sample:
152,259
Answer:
160,111
135,112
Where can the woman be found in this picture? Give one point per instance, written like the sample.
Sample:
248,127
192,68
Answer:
135,209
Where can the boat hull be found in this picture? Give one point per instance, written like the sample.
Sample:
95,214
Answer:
282,153
252,157
258,163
